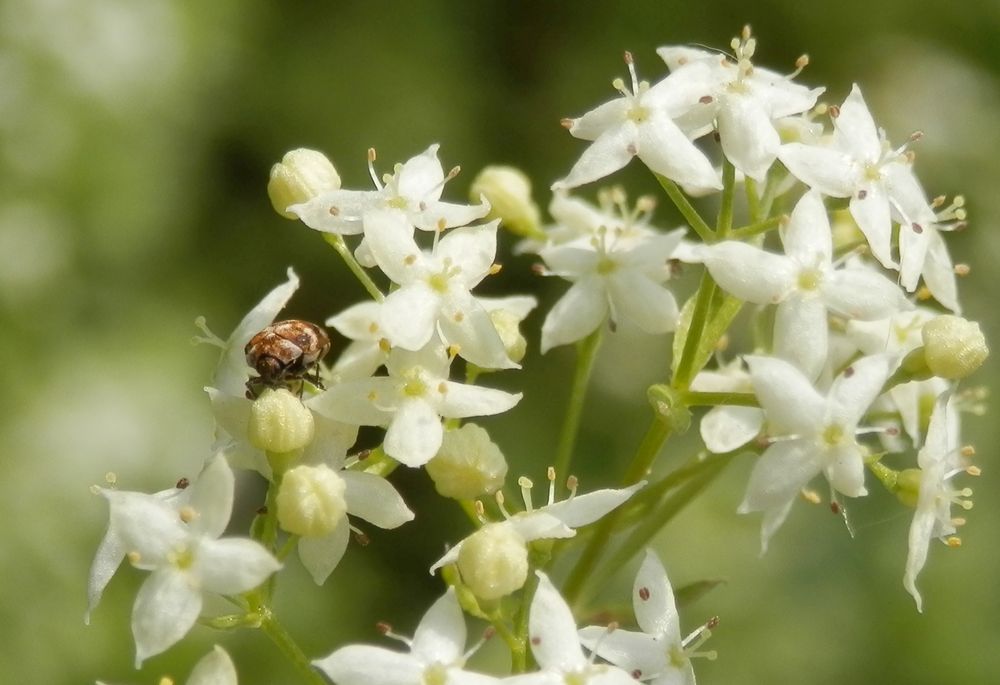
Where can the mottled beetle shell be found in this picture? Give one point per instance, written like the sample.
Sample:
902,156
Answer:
286,350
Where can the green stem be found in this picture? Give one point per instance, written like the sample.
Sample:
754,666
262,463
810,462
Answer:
755,229
284,642
686,209
725,220
685,368
774,180
586,356
656,435
693,398
653,522
338,244
753,199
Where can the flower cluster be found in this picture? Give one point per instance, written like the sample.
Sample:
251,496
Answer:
857,353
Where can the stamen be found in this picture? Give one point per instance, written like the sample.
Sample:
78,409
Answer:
550,473
525,484
371,169
631,70
566,122
500,501
571,485
209,338
480,511
386,629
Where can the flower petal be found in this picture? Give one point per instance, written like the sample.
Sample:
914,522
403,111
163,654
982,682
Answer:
855,128
165,609
233,565
653,601
748,137
338,211
466,323
854,390
215,668
598,120
211,497
808,239
846,470
858,292
801,334
421,177
939,274
725,428
666,150
748,272
365,664
779,474
827,170
409,314
374,499
414,434
583,509
792,404
470,250
552,630
611,150
440,637
576,315
320,555
870,208
389,237
638,299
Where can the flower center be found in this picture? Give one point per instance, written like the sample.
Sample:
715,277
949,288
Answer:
415,385
810,279
833,435
606,266
638,114
435,674
872,172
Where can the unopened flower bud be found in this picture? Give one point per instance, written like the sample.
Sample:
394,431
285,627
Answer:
954,347
279,422
468,465
301,175
509,193
311,500
493,561
507,325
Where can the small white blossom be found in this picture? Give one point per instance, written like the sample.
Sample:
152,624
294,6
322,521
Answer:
859,164
641,124
413,190
555,519
437,654
185,555
804,283
658,654
939,460
613,279
745,101
813,434
411,401
435,288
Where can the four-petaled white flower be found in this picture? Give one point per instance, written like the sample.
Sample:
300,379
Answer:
413,190
612,280
804,283
411,401
641,124
182,549
744,101
859,164
556,646
939,460
437,654
434,288
555,519
814,434
658,654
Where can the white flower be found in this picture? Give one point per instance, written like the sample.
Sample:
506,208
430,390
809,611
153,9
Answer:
555,519
411,401
369,346
725,427
331,493
434,288
744,101
231,407
939,461
182,549
413,190
556,645
657,654
641,124
612,279
859,164
814,434
804,283
436,656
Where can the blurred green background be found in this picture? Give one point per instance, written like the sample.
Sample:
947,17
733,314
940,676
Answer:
135,142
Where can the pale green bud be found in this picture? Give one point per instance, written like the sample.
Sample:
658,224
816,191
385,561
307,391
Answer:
509,193
493,561
300,176
279,422
311,500
954,347
468,465
508,327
